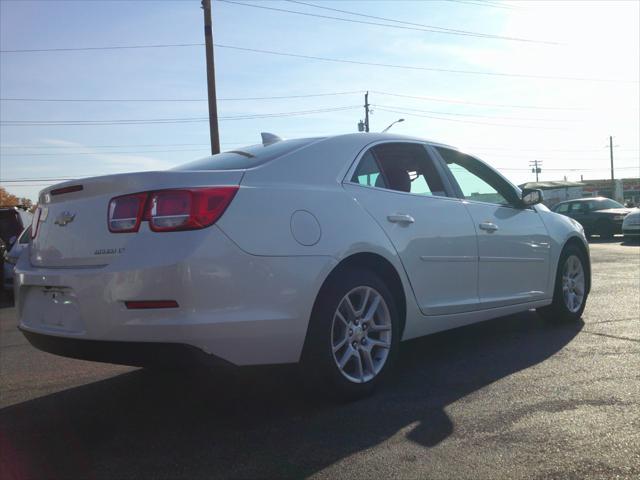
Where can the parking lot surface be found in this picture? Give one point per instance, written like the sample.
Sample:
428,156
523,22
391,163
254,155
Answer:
514,397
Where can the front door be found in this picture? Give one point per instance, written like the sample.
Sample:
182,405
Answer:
513,242
403,189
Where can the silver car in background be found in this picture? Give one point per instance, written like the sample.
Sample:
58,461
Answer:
631,225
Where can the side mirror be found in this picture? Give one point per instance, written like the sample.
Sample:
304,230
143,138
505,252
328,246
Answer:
531,197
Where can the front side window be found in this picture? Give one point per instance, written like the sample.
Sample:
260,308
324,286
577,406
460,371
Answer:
477,182
578,207
403,167
562,208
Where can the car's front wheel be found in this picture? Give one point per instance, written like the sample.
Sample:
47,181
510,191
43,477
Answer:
571,287
353,335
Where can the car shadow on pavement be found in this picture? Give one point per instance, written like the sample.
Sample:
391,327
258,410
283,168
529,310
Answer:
260,423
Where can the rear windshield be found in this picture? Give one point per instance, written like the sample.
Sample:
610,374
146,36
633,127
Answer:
606,204
246,157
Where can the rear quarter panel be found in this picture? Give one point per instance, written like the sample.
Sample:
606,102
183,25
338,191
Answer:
259,220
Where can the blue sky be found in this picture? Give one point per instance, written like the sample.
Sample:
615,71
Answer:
566,123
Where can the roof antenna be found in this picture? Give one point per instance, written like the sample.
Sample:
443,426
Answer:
269,138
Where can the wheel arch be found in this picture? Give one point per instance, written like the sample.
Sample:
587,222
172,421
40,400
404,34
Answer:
579,243
384,269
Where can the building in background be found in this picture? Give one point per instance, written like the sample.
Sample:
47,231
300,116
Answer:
626,190
557,191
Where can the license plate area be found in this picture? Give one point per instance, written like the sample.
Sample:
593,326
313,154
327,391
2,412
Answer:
52,308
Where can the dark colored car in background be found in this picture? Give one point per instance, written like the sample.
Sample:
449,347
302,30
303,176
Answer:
598,215
13,220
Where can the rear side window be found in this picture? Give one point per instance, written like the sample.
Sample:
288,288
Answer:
246,157
25,236
404,167
368,172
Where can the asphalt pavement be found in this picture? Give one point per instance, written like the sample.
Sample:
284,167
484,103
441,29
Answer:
515,398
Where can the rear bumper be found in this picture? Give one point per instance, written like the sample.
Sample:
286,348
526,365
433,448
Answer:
139,354
631,230
245,309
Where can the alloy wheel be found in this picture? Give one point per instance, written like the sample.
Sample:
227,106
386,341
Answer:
361,334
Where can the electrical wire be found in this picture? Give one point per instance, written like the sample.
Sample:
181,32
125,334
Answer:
404,112
148,121
420,68
336,60
405,26
7,99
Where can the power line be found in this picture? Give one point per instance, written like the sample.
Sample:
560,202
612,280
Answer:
473,114
404,112
281,97
99,153
467,102
420,68
111,47
484,4
147,121
337,60
405,25
115,146
79,177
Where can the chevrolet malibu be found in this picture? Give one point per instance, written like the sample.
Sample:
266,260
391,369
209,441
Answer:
327,252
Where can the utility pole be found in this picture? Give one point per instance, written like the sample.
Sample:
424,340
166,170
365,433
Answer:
211,79
611,156
366,112
536,167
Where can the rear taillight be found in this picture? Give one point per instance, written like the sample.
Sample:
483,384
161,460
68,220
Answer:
188,209
125,213
169,210
35,222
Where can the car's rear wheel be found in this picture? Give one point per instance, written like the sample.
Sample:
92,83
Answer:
353,335
570,293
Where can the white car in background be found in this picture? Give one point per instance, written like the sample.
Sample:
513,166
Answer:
323,251
631,225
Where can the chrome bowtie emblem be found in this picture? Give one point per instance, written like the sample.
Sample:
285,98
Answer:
64,218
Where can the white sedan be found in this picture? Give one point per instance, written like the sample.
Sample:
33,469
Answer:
321,251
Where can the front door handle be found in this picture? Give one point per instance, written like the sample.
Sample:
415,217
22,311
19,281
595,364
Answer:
488,226
401,218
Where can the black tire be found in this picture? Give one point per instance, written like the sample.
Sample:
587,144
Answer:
319,370
604,229
558,311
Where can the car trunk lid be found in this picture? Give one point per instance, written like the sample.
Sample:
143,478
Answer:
70,227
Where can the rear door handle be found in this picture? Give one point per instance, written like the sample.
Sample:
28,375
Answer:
488,226
401,218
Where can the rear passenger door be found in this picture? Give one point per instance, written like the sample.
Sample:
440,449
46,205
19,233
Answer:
406,192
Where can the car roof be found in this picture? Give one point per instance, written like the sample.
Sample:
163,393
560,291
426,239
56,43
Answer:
372,137
586,199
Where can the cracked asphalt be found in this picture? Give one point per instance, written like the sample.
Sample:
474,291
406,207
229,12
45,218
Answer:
514,398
